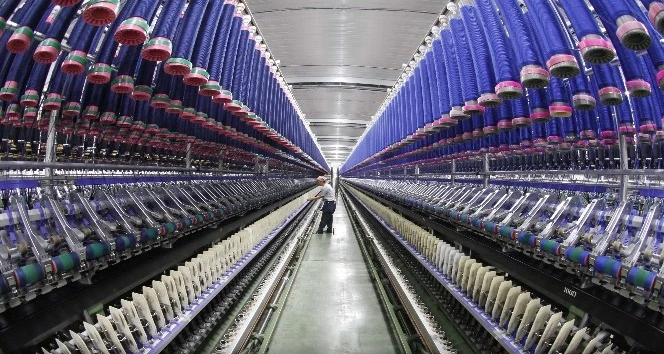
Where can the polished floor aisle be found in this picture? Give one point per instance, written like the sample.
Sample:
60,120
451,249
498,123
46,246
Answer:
332,307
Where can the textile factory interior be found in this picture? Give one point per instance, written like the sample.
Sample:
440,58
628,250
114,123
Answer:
332,176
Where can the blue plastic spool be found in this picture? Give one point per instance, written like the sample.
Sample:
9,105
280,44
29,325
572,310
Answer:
609,266
578,255
641,278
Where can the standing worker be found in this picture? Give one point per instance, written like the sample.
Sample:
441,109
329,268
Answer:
329,204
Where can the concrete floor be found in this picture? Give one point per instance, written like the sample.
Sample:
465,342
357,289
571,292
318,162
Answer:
332,307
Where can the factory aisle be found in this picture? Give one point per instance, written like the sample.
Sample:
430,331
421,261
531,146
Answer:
332,307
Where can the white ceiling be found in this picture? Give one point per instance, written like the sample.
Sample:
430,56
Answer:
340,56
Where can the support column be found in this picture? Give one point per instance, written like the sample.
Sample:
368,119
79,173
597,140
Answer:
453,174
622,145
50,143
188,158
624,178
485,169
93,149
257,164
261,165
221,159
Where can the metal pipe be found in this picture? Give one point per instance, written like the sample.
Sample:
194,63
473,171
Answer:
277,295
35,165
628,172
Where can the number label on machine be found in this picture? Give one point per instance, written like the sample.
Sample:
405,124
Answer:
569,291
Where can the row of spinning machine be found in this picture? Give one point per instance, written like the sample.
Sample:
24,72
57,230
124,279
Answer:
619,245
165,84
149,319
531,133
524,322
63,233
600,242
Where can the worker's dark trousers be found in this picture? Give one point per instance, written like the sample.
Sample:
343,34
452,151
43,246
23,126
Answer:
325,220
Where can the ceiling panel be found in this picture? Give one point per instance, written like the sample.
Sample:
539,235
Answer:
343,131
334,146
338,93
410,6
332,104
340,56
331,37
350,74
